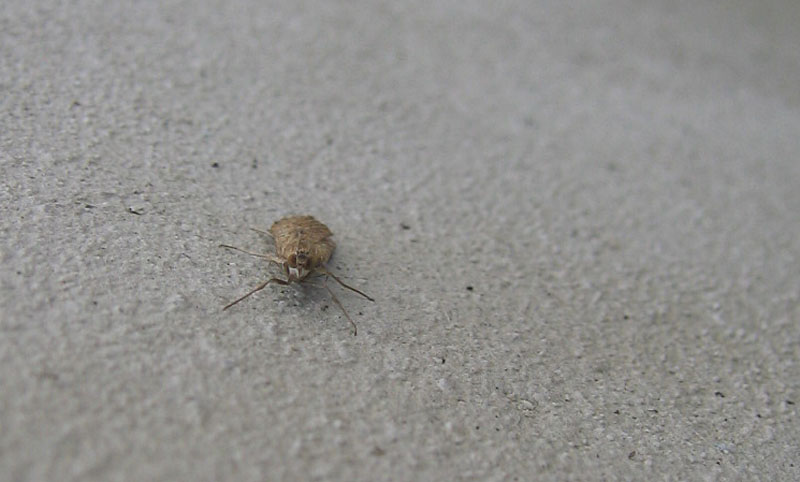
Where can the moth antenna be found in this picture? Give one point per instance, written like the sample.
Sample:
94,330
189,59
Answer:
258,255
256,289
266,233
271,257
336,300
345,285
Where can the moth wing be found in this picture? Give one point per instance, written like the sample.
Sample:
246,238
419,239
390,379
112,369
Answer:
321,252
293,232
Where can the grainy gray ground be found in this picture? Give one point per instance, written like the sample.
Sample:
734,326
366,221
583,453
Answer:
581,223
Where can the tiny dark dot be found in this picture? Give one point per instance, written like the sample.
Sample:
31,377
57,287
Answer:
405,226
215,165
719,394
626,317
442,361
477,427
469,288
789,402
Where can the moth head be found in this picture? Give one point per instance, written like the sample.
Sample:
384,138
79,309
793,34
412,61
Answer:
298,265
299,259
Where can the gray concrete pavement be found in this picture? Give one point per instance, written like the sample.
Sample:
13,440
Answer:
579,221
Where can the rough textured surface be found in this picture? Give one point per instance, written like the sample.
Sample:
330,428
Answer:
580,221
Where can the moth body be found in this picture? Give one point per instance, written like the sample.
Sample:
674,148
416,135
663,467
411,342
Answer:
303,243
302,247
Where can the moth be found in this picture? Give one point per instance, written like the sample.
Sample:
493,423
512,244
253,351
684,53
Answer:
302,247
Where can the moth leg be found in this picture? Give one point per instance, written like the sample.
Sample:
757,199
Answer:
324,271
256,289
267,256
336,300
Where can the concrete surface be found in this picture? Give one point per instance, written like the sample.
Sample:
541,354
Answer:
579,220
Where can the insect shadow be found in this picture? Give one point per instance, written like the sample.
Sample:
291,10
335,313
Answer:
302,247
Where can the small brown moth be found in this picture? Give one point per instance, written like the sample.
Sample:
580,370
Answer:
302,247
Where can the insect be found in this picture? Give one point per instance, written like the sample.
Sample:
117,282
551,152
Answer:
302,247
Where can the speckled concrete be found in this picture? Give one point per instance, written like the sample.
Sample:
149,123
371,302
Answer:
580,221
